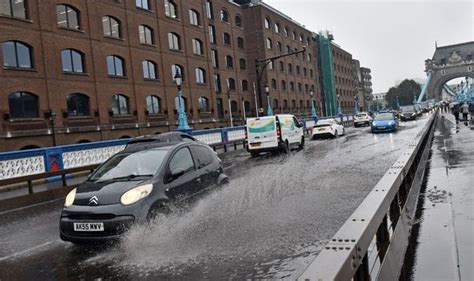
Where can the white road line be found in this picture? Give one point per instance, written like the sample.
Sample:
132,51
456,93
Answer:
26,251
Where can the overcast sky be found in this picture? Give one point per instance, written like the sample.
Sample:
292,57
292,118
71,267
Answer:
391,37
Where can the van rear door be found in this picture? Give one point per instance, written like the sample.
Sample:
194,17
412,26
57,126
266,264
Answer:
262,133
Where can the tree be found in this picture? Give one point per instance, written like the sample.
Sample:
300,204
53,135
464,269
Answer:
405,91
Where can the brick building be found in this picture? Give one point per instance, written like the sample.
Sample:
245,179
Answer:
346,88
83,70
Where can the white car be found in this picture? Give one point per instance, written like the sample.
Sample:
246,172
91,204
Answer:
362,118
272,133
327,127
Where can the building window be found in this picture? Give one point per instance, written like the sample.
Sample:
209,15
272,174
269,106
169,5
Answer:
197,47
227,40
149,70
268,24
176,68
144,4
281,66
290,68
146,34
292,86
153,105
203,104
13,8
171,9
277,28
229,61
275,104
311,73
243,64
234,107
293,104
17,55
285,104
200,75
68,16
224,16
231,84
305,72
212,34
217,83
23,105
308,57
300,88
270,65
209,10
279,47
301,37
72,61
293,35
115,66
120,105
245,85
288,49
269,43
78,105
297,70
247,106
274,84
238,21
214,58
283,85
240,42
174,42
194,18
111,27
285,31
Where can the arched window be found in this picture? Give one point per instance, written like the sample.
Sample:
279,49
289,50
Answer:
78,105
243,64
277,27
146,34
308,57
234,107
305,71
275,104
23,105
224,15
176,68
203,104
268,23
247,106
301,37
274,84
149,70
153,104
292,86
293,35
269,43
238,21
229,61
227,40
281,66
300,87
115,66
279,47
194,18
120,105
197,47
111,27
174,42
17,55
68,16
283,85
311,73
285,104
13,8
72,61
171,9
231,83
293,104
240,42
285,31
143,4
301,104
290,68
200,75
245,85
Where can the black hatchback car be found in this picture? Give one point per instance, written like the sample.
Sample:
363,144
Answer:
136,184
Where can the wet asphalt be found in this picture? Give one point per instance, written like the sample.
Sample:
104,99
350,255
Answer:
270,222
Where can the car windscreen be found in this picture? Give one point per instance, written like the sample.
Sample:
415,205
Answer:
408,109
361,115
384,116
136,164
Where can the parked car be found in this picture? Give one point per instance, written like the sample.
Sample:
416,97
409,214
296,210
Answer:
161,138
274,133
362,118
384,122
408,112
327,127
135,185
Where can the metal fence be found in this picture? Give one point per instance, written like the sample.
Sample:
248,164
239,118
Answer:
371,244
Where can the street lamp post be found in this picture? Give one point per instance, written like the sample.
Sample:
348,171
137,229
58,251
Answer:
230,107
52,117
269,105
314,114
182,119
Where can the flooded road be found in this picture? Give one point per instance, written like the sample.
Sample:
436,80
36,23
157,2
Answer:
269,222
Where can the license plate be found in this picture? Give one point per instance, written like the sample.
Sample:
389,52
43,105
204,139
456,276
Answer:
321,130
382,127
255,144
90,226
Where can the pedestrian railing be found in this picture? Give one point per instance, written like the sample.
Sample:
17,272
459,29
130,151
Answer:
372,243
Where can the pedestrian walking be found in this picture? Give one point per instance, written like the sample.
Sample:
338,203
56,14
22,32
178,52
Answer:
456,112
465,111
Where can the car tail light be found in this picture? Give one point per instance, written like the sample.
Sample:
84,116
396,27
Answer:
278,132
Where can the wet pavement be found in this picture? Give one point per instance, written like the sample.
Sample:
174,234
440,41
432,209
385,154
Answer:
269,223
445,241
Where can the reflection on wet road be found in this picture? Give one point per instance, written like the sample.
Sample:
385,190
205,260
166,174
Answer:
269,222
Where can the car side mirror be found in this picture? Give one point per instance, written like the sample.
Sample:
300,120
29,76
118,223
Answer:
175,174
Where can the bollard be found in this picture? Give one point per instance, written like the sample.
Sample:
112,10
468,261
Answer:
30,187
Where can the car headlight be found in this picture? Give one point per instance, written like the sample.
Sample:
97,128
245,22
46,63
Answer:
374,123
392,123
70,198
413,114
135,194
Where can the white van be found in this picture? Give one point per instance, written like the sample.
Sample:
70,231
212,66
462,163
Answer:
273,133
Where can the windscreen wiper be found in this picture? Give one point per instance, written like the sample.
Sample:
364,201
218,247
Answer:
129,177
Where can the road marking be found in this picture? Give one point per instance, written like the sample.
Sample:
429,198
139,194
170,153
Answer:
26,251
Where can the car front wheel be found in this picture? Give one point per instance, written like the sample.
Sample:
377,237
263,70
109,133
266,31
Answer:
301,146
